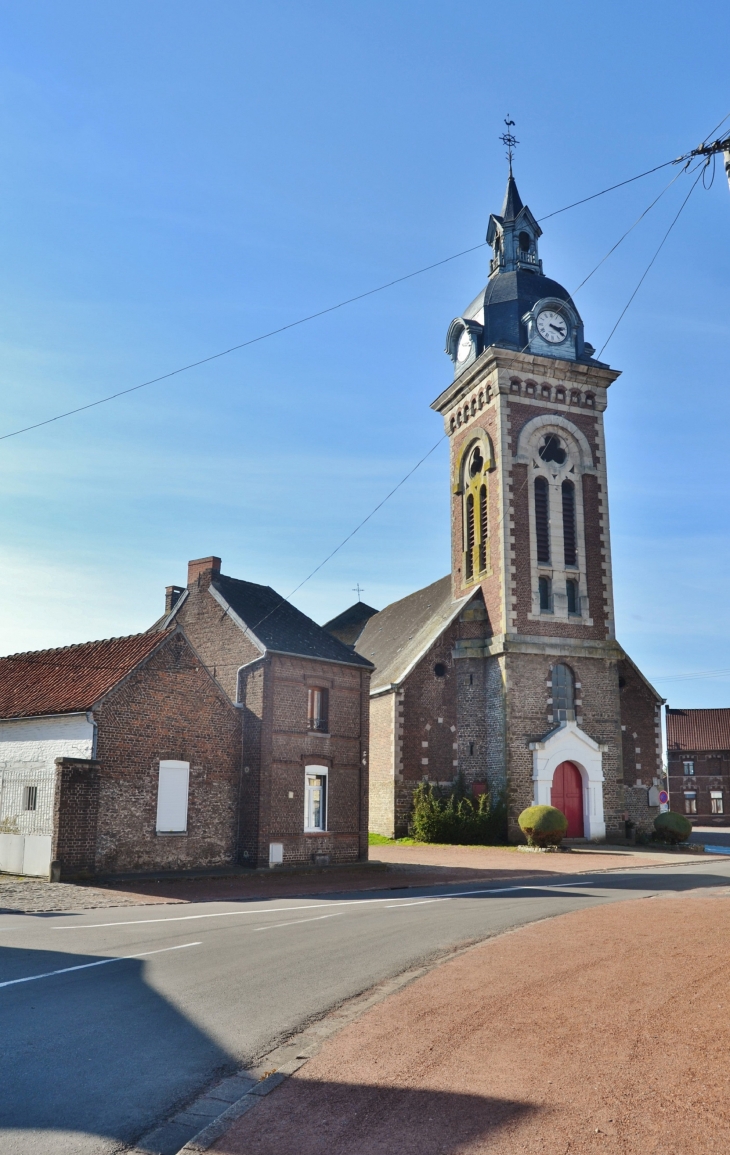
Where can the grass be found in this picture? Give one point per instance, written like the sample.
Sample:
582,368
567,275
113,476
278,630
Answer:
381,840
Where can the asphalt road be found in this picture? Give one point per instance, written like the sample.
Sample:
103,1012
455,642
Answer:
113,1019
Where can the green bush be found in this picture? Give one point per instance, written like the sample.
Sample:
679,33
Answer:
671,827
543,825
455,818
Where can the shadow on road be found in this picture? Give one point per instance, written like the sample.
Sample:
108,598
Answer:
135,1056
310,1117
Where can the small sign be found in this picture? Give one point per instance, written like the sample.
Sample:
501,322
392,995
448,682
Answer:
663,797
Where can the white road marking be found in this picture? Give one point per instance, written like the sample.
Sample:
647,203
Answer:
299,921
309,906
501,890
102,962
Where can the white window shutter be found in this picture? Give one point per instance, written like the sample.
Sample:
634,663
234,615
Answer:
172,798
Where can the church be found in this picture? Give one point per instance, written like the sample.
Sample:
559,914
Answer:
508,672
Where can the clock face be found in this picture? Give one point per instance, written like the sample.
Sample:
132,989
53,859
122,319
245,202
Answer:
552,326
463,349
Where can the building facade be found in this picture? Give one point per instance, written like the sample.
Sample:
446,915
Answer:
544,704
698,756
303,699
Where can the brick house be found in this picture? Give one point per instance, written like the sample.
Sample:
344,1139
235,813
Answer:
541,700
698,754
117,755
303,699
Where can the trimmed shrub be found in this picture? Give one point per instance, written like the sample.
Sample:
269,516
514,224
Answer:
671,827
455,818
543,825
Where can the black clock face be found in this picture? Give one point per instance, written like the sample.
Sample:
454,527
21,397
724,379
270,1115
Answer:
552,326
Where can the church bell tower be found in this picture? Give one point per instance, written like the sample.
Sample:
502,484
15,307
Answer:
538,680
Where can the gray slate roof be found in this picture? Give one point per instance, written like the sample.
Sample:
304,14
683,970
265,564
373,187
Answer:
279,625
348,625
398,637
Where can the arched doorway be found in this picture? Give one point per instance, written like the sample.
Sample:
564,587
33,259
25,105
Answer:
567,795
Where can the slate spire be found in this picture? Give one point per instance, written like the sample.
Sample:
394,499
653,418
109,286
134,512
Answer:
512,201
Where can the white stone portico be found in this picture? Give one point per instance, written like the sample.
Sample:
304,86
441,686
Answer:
568,743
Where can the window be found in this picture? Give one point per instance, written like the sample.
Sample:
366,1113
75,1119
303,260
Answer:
476,515
317,710
569,537
172,798
439,670
470,535
483,528
30,798
716,802
571,589
524,240
315,798
543,585
689,767
542,521
690,803
563,687
552,449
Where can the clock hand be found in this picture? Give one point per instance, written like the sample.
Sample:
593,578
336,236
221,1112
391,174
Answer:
557,328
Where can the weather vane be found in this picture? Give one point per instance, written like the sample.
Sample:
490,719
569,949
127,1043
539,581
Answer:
509,141
358,590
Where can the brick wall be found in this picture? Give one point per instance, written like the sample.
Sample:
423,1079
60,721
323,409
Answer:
278,747
382,763
712,772
641,743
75,816
530,717
167,708
221,643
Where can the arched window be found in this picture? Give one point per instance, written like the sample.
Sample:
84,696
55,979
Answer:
476,515
543,585
569,536
470,535
542,521
483,527
563,688
525,241
571,590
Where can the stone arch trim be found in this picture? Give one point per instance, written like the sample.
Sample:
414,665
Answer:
478,436
568,743
534,428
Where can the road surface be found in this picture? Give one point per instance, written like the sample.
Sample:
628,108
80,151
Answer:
113,1019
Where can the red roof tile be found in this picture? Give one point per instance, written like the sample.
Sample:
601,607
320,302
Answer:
698,729
69,679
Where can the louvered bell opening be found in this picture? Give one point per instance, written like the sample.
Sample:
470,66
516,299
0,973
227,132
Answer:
569,535
542,521
470,535
483,527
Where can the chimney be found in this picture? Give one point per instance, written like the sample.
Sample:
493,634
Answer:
203,565
172,597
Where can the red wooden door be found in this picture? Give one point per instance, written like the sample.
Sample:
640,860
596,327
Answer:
567,795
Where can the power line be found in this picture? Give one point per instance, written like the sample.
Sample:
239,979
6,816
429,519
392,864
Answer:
651,262
310,316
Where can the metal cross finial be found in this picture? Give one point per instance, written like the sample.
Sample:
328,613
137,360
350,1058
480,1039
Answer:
509,141
357,589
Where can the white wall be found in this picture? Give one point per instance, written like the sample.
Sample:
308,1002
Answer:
28,750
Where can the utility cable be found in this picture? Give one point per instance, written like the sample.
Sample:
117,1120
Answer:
310,316
651,262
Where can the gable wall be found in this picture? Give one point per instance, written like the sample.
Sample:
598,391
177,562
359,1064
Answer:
217,638
168,708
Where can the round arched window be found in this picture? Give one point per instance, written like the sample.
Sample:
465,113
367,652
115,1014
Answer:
525,241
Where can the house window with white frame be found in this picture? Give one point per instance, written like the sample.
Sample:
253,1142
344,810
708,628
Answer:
689,767
315,798
690,802
716,802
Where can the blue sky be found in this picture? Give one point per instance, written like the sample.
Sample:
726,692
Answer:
177,177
